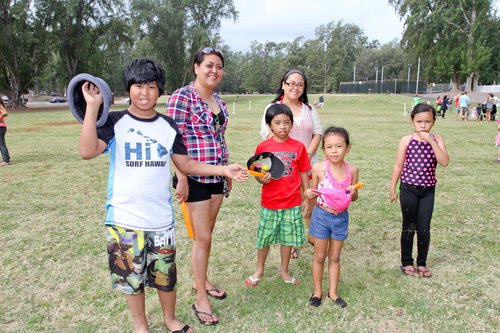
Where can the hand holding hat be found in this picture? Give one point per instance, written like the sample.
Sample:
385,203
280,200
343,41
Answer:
94,86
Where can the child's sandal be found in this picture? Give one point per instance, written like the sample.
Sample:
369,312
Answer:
424,272
408,270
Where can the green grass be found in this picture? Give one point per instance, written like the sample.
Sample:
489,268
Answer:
54,262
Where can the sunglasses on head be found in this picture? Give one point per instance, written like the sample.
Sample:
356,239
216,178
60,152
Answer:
210,50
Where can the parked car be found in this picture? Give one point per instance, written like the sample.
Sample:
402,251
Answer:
58,100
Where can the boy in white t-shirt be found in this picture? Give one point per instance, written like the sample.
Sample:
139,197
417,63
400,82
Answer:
139,222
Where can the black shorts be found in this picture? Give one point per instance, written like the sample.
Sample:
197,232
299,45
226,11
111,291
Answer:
200,191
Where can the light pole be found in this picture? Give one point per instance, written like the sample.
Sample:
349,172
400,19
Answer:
418,75
408,82
382,80
354,72
376,77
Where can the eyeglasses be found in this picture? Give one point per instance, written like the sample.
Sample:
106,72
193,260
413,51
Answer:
295,85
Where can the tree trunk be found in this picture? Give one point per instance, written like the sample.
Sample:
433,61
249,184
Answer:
469,84
455,82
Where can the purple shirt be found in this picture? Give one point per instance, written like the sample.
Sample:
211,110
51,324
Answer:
420,164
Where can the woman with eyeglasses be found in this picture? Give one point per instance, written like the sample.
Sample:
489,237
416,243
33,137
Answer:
202,117
307,129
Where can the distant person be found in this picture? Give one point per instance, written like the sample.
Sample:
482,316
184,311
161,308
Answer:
321,101
417,186
292,91
281,220
444,105
464,106
439,100
457,106
416,99
498,141
489,106
3,131
328,225
139,222
475,114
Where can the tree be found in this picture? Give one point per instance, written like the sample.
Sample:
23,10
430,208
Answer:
81,31
333,52
173,30
264,67
23,39
452,36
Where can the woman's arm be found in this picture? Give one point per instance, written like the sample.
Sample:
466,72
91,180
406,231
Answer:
314,144
265,132
317,132
177,106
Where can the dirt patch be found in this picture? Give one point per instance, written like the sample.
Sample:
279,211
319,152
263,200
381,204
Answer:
38,128
25,109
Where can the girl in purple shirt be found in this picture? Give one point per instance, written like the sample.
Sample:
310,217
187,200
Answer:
417,157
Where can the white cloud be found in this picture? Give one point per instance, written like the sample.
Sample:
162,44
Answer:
284,20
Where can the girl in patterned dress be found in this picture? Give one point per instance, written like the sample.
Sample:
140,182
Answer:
417,157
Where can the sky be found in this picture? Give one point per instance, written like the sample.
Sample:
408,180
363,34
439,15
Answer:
284,20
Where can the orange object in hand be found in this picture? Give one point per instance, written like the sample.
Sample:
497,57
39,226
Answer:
358,185
256,173
187,220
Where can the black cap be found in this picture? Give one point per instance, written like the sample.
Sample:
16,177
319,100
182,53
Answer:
76,101
275,166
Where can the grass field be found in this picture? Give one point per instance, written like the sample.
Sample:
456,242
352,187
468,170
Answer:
54,262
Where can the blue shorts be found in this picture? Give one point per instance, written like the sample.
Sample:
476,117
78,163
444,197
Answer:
326,225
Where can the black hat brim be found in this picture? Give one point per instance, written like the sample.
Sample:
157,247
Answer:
277,166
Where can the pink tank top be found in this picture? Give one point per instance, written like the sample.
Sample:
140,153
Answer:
331,182
420,164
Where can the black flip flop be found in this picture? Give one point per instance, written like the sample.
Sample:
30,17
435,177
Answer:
184,329
214,289
198,313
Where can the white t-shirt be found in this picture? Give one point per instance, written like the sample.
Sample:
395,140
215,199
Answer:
139,169
304,126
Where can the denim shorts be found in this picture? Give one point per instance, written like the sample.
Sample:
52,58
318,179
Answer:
326,225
